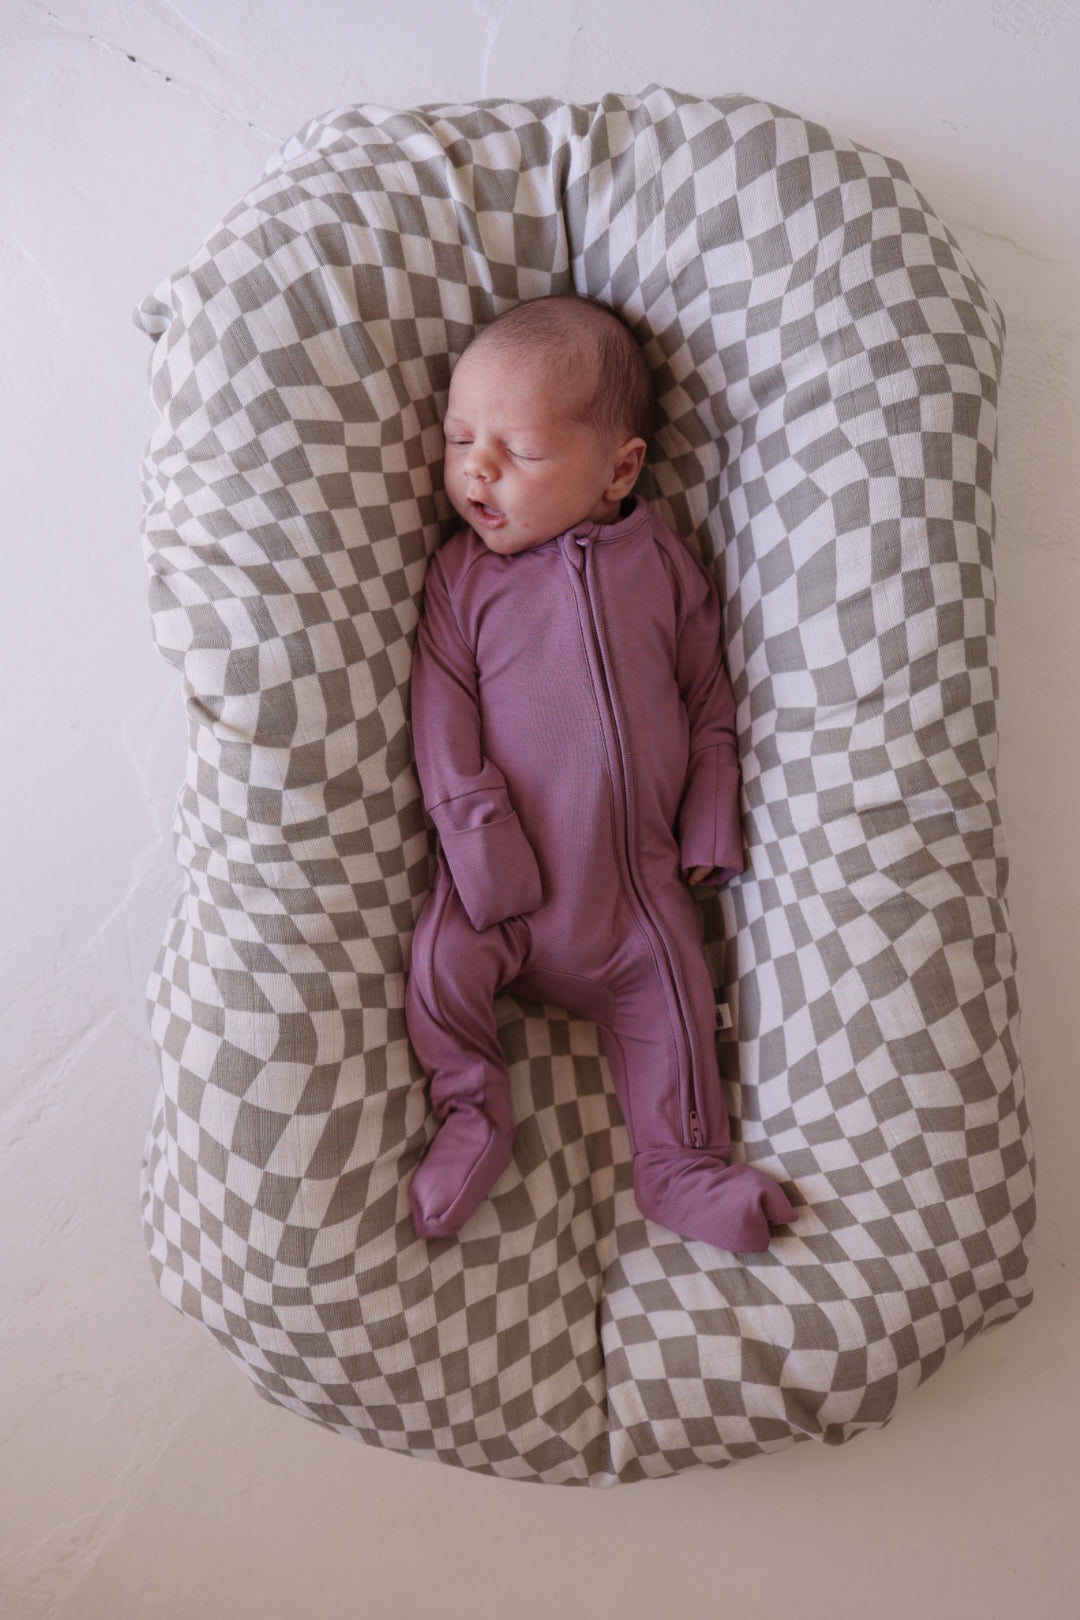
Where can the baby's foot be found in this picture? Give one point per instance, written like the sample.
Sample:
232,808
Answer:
698,1195
463,1162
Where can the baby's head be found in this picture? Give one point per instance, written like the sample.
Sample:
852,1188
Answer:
550,409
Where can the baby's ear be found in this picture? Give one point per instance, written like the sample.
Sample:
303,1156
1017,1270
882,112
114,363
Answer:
628,462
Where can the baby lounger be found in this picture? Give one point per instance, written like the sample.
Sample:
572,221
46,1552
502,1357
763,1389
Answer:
827,364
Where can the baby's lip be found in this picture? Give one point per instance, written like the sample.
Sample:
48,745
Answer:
489,516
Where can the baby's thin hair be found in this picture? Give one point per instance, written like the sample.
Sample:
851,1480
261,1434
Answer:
556,329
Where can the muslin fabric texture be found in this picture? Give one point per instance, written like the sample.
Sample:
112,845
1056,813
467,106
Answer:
827,363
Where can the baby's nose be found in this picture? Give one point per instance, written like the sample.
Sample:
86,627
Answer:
478,464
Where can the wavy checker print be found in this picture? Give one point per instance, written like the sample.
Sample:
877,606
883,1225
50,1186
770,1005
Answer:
828,365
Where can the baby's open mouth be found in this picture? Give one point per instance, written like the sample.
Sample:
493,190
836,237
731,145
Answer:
489,516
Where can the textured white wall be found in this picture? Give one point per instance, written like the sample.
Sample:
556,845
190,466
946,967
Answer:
138,1475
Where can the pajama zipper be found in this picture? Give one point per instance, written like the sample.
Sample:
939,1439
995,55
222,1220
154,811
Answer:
694,1130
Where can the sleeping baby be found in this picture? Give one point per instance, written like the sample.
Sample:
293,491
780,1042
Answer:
574,736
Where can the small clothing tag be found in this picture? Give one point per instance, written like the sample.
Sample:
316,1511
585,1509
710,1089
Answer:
724,1019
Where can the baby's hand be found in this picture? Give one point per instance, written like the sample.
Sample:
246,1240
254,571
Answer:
696,873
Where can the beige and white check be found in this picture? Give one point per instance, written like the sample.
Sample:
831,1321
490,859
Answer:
827,363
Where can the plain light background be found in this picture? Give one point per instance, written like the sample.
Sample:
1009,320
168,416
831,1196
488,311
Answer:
139,1476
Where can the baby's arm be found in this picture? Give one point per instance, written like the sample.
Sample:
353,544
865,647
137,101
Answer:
490,859
709,824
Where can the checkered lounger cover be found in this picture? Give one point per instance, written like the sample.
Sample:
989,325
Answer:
827,363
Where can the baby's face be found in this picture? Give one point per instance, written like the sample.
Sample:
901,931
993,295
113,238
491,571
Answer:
518,470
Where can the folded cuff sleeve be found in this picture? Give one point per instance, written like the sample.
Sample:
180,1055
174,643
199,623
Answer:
492,863
710,829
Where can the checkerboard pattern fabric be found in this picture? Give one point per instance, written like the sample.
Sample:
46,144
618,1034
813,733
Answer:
827,363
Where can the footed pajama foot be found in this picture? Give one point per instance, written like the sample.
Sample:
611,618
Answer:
701,1196
463,1162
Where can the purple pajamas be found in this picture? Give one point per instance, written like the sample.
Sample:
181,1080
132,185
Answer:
574,736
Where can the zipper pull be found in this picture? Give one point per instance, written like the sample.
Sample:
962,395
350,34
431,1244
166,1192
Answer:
697,1135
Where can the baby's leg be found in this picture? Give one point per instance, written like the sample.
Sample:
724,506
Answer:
455,976
682,1175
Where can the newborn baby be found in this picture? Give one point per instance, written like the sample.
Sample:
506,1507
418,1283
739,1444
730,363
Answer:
574,736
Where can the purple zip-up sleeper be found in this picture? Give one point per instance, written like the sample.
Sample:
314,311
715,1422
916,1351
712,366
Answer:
575,741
